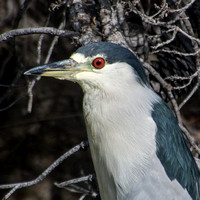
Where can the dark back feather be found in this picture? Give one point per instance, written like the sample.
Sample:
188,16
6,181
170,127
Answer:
173,151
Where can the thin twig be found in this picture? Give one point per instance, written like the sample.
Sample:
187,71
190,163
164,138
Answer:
161,9
76,180
151,21
77,189
176,52
55,40
175,106
83,197
13,103
12,86
30,94
188,35
42,30
42,176
190,139
189,78
183,8
39,44
189,95
20,13
165,42
39,49
70,185
157,75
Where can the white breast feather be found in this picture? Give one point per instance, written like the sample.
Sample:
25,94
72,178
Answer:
121,133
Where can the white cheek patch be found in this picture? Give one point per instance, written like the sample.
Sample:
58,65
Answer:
84,76
78,57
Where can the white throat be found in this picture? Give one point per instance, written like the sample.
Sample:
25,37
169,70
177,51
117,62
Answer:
120,122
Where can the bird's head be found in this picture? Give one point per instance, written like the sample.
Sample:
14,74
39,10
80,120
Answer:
96,64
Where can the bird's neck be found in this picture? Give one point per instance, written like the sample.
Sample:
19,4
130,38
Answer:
121,135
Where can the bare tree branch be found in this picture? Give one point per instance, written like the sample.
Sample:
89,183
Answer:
55,40
31,84
183,8
76,180
20,13
42,30
167,41
190,79
195,88
176,52
44,174
70,185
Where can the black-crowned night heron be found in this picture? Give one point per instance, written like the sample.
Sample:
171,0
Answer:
137,148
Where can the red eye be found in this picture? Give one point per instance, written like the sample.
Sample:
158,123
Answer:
98,63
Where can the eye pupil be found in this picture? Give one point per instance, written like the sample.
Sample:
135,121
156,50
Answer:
98,63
